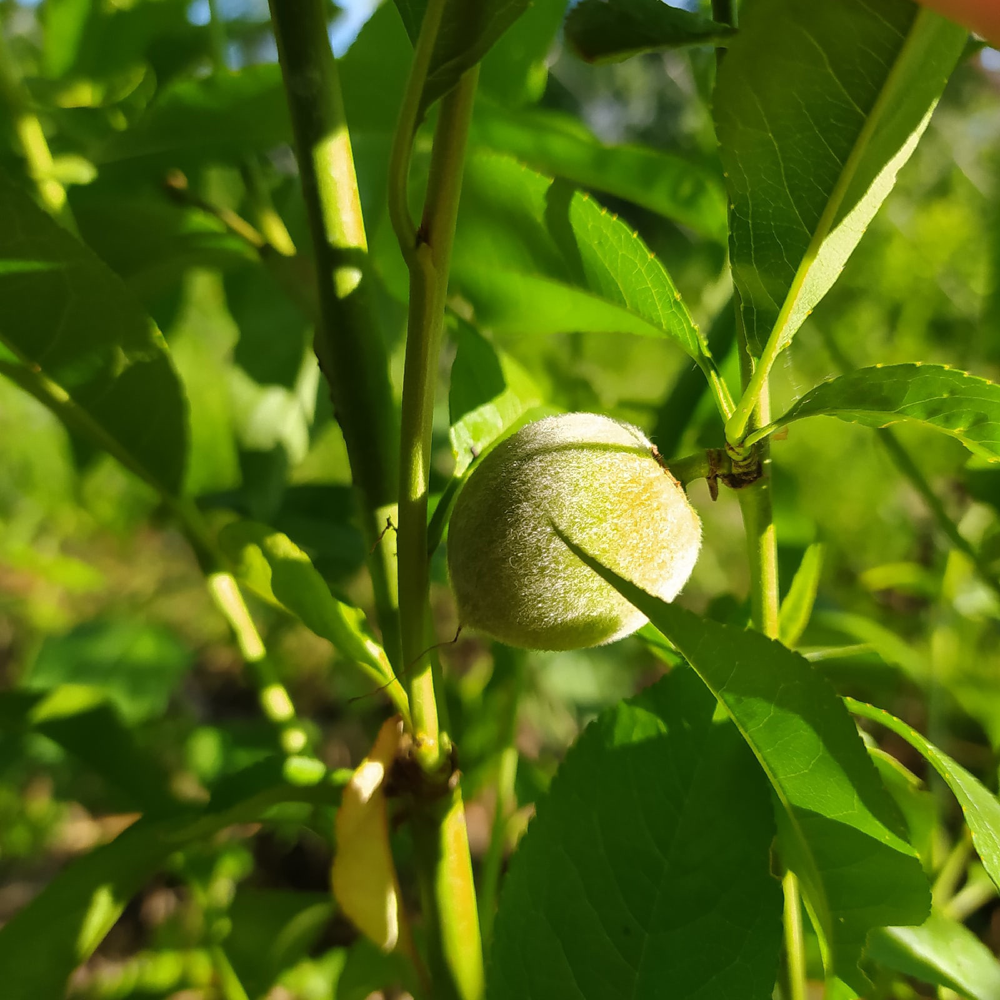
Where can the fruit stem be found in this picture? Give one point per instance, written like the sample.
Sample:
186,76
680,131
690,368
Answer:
348,340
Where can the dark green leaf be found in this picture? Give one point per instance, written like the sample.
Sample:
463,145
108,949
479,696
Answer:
813,126
83,722
98,42
609,30
557,144
84,347
534,256
630,878
488,392
954,402
467,32
150,241
42,944
220,117
980,806
840,831
941,952
271,931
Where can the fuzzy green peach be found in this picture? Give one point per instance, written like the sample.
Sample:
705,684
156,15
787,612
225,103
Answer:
598,482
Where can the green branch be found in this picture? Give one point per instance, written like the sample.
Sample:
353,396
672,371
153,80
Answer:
348,340
430,262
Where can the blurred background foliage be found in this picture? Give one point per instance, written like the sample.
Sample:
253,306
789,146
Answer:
168,126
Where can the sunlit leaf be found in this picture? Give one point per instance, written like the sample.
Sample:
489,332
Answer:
813,126
608,30
840,831
980,806
557,144
275,568
953,402
941,952
535,256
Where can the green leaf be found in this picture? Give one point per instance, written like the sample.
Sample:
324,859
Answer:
558,144
151,242
60,928
941,952
276,569
272,930
609,30
81,720
515,70
534,256
467,32
488,392
220,117
65,24
813,126
840,831
136,664
798,603
629,877
84,347
953,402
979,805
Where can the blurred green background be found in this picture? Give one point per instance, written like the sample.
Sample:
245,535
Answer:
97,588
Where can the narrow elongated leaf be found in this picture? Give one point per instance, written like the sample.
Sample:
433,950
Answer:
534,256
42,944
813,126
840,831
467,32
84,347
609,30
954,402
558,144
941,952
980,806
629,876
797,606
275,568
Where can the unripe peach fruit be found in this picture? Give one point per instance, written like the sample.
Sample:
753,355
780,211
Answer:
601,484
